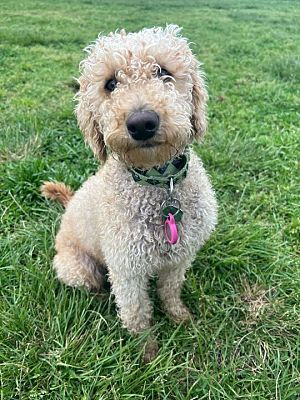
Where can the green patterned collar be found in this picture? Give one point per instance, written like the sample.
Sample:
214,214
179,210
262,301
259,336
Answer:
161,176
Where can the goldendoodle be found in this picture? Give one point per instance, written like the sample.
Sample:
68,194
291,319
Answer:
149,209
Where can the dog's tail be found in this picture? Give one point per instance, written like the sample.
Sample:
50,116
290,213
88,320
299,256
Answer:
57,191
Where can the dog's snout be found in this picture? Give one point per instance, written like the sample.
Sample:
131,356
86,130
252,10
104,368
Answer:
142,125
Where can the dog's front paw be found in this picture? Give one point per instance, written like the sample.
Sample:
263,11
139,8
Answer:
150,350
179,313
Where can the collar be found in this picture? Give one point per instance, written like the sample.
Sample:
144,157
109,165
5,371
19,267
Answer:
175,169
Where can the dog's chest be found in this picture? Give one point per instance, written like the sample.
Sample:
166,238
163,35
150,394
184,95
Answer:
145,227
131,225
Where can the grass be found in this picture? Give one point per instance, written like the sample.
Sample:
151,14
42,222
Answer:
244,287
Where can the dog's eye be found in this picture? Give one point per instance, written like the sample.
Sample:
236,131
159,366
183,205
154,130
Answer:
111,84
163,73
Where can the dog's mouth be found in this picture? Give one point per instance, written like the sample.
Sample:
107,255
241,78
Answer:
147,145
147,154
150,144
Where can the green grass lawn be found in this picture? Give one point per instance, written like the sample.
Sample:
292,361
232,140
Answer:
244,287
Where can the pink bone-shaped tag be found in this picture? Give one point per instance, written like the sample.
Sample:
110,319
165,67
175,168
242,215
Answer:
171,230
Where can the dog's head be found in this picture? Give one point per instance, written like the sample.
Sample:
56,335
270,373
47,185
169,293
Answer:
142,96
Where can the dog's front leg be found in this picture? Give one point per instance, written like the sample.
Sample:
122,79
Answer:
170,281
135,308
133,301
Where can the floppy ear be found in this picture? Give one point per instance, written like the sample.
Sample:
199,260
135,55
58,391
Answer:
87,123
199,100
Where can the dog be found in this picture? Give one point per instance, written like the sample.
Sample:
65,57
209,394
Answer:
149,209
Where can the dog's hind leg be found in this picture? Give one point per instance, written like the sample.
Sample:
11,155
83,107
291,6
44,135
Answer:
76,268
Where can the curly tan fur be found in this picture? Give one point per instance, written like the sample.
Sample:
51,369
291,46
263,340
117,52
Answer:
113,221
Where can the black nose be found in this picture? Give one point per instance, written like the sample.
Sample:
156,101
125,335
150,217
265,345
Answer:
142,125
